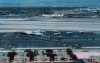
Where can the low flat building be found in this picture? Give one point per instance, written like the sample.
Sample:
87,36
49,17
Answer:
94,59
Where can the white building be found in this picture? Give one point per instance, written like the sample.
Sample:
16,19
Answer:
41,59
57,59
52,15
94,59
18,59
92,9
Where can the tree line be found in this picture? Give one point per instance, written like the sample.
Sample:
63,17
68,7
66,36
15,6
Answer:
49,53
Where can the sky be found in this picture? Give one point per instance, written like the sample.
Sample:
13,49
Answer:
59,3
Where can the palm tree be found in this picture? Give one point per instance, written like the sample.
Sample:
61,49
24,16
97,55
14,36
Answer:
74,57
27,50
43,53
49,53
11,55
70,53
31,54
36,52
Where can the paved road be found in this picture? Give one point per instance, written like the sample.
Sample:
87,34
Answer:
49,25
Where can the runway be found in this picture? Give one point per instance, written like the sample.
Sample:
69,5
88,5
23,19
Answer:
20,25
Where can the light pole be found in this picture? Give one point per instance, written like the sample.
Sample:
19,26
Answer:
3,56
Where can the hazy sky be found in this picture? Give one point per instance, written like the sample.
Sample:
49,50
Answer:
50,3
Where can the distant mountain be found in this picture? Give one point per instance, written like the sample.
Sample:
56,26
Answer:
50,3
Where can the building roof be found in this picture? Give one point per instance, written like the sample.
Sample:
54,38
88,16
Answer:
94,56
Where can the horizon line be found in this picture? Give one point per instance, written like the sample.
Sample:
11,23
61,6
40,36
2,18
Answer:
14,5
